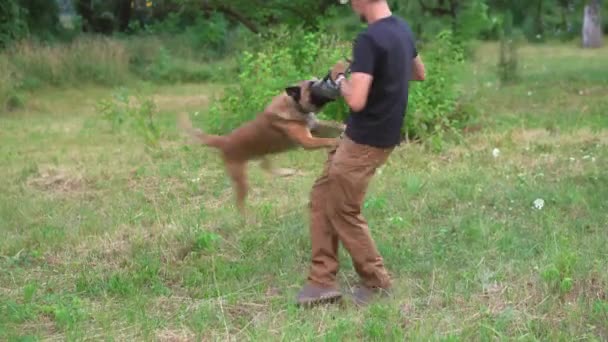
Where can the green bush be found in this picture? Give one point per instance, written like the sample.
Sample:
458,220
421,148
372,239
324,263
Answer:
292,56
433,105
286,58
135,113
13,24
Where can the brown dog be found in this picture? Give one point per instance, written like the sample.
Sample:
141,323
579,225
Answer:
286,123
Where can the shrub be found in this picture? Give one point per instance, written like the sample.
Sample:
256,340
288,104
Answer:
131,114
13,24
434,105
289,57
286,58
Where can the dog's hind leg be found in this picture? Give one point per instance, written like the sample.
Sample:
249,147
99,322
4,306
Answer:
266,164
238,174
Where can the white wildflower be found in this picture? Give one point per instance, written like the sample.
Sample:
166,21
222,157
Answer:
495,152
539,203
586,157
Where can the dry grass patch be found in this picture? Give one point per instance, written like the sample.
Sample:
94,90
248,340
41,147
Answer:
58,181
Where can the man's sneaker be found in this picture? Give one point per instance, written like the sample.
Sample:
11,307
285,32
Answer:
363,295
311,295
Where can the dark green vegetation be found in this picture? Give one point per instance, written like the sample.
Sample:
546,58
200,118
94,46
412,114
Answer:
113,229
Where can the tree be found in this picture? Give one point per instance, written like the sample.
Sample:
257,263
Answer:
592,25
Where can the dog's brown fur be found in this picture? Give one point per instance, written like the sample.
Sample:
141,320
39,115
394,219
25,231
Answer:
283,125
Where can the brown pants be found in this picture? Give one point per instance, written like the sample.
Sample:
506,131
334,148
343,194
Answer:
335,208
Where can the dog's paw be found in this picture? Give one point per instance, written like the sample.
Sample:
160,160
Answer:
281,172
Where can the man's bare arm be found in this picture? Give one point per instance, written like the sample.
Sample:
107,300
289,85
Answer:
356,89
418,70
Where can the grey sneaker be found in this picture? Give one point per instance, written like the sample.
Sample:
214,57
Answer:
311,295
363,295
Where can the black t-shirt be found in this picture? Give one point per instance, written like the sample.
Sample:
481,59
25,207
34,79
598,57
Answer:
384,50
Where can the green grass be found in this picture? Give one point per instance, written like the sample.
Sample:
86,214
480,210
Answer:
103,238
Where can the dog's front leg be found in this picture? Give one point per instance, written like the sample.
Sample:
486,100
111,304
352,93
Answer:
327,129
301,135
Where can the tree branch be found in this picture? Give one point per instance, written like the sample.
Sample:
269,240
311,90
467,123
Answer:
234,14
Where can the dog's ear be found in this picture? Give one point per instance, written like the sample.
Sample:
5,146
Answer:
294,92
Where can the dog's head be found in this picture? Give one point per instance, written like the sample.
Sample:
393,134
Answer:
305,98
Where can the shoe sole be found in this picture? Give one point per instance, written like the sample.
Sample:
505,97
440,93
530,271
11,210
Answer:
310,302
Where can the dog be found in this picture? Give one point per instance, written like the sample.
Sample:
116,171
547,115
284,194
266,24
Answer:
288,122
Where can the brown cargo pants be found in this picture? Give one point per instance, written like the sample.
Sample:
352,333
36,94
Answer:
335,212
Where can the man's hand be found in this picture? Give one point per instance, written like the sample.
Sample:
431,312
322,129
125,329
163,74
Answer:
338,69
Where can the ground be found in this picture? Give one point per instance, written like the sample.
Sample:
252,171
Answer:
500,236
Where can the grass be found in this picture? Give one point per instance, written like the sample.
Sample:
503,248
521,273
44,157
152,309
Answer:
104,238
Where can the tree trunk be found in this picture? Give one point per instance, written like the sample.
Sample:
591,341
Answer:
592,25
124,14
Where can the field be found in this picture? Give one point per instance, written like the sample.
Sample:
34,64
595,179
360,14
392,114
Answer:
501,236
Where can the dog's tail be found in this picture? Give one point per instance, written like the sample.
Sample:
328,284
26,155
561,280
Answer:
198,136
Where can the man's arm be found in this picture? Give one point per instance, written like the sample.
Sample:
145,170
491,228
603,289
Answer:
419,73
356,89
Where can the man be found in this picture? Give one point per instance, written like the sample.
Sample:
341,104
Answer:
385,59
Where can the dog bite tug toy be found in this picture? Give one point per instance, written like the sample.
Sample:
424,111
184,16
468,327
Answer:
328,88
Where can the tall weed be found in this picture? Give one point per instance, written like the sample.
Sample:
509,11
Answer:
85,60
9,96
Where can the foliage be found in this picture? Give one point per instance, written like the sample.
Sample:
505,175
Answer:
42,18
13,24
291,56
287,57
433,103
143,248
473,19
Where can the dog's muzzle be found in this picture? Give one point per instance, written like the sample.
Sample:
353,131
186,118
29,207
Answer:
325,89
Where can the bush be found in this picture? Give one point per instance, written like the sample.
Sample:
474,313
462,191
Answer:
194,36
289,57
136,114
13,24
433,105
286,58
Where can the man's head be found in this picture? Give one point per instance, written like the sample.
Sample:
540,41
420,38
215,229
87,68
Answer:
365,8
